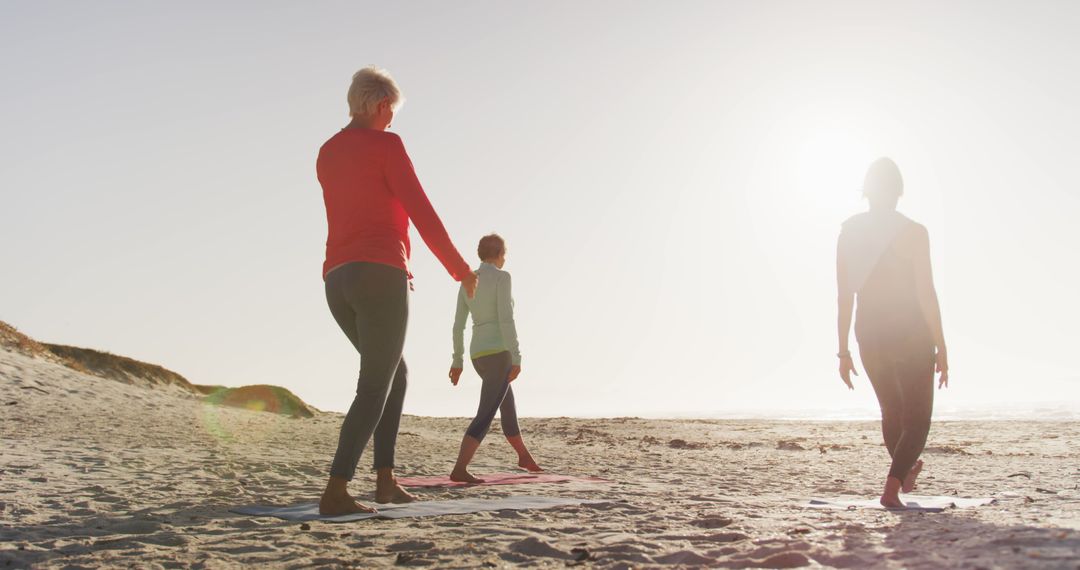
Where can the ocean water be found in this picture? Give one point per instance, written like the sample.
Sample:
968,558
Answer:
1049,411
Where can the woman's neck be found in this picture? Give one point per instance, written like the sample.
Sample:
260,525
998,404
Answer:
361,123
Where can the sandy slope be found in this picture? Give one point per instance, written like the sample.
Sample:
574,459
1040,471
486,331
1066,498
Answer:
95,472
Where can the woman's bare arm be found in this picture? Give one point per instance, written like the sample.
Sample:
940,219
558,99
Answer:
924,287
845,307
928,301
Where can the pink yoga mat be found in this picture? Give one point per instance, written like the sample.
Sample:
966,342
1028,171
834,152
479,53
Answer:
496,479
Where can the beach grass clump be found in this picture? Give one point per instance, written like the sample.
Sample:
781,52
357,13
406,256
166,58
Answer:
260,398
119,368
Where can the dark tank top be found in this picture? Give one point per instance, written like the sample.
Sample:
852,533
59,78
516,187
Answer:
888,314
888,308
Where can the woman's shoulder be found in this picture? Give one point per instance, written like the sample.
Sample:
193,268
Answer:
854,226
494,275
351,137
391,141
916,232
868,220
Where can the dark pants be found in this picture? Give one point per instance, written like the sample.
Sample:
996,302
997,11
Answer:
370,302
495,396
903,379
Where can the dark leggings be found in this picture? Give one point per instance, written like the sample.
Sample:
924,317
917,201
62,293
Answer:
903,380
370,302
495,396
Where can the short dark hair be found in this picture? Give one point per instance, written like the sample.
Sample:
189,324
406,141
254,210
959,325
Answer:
883,179
491,246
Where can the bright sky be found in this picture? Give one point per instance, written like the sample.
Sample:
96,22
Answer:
670,179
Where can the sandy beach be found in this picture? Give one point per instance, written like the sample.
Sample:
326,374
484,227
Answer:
96,472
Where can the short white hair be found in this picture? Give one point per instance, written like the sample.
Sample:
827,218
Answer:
369,86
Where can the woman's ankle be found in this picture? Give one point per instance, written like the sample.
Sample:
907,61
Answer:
385,476
892,487
336,487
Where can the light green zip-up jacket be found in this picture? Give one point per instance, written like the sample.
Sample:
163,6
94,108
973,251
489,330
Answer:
492,311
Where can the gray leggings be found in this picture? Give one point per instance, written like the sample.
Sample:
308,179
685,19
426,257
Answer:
495,396
370,302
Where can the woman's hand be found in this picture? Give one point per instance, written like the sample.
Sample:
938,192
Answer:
847,367
469,283
455,375
515,371
942,364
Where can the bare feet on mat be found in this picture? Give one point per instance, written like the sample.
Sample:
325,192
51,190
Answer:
341,504
393,493
909,481
890,498
892,503
463,476
529,464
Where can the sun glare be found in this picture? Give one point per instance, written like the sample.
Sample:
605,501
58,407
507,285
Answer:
829,168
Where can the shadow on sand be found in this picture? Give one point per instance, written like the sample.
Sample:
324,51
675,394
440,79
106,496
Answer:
958,539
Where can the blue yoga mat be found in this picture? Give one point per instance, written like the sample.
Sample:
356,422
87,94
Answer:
310,511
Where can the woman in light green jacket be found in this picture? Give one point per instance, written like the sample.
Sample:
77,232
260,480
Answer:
495,356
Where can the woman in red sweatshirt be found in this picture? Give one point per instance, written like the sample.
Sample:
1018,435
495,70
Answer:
371,193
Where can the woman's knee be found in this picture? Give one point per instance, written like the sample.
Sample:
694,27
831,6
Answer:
401,376
377,380
917,425
477,430
510,427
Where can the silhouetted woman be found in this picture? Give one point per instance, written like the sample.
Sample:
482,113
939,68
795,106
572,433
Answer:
371,193
883,260
495,356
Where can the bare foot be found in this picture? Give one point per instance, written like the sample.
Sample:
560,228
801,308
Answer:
341,504
464,476
909,481
890,497
529,464
393,493
892,502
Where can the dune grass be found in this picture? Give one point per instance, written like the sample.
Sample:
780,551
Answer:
260,397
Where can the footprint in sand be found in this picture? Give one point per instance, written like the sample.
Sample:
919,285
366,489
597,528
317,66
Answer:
712,522
410,546
535,547
685,557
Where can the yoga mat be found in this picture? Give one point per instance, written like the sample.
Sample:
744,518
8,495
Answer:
496,479
310,511
911,502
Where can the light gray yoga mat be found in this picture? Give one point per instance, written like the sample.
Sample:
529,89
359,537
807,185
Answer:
310,511
911,502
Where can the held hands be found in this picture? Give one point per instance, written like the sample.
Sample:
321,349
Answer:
469,283
515,371
941,362
847,368
455,375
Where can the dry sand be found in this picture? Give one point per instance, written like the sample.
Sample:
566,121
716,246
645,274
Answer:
96,473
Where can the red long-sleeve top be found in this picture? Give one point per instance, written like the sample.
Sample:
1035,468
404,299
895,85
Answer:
371,192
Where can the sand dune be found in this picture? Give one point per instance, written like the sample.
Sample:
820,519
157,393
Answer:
260,397
96,472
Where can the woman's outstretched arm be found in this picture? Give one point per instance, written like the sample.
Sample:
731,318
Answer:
401,177
845,307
